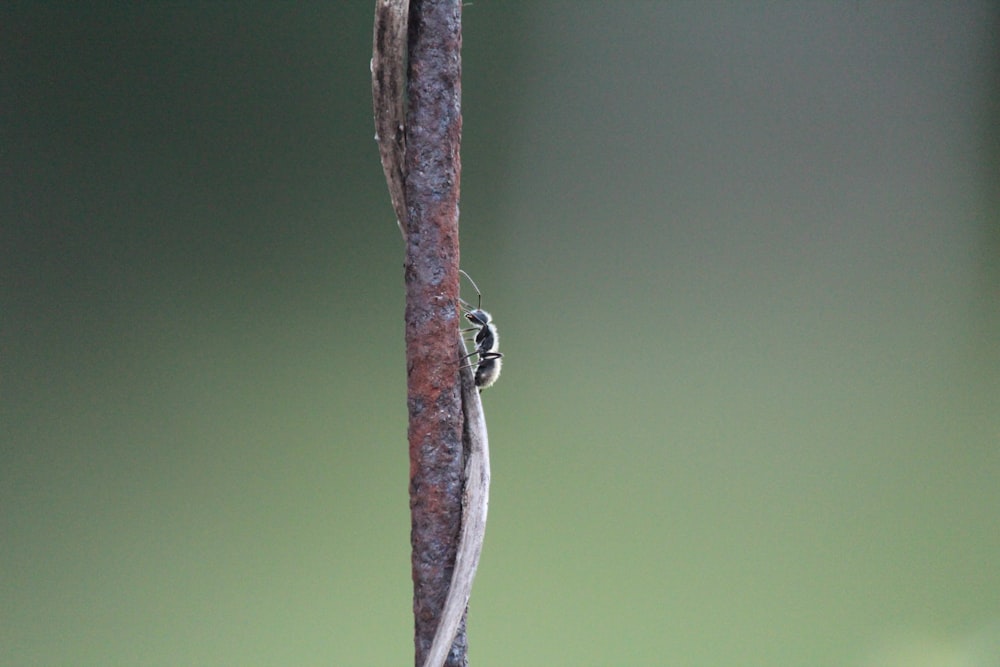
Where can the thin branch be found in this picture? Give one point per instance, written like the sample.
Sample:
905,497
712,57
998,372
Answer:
422,165
420,158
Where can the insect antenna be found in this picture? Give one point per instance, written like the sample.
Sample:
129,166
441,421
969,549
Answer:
475,287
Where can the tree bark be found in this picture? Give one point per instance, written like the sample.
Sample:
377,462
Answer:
432,178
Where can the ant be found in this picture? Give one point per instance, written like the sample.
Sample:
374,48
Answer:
486,340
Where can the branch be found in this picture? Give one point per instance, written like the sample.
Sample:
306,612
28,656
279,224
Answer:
421,161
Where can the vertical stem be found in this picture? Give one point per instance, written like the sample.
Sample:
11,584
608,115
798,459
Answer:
433,136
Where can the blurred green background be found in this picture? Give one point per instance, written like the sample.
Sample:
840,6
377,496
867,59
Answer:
744,258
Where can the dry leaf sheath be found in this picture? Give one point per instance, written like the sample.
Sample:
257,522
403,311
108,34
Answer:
475,503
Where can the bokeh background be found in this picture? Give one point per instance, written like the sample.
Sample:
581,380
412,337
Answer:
744,258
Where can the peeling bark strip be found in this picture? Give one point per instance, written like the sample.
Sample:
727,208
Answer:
431,192
475,503
389,97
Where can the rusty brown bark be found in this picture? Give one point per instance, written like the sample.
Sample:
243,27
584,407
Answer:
432,167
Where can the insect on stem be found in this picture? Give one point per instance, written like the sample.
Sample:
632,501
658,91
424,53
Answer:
486,341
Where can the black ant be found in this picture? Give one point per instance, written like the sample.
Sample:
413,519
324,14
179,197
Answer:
486,340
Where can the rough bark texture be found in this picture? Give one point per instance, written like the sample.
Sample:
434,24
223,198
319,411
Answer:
433,134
